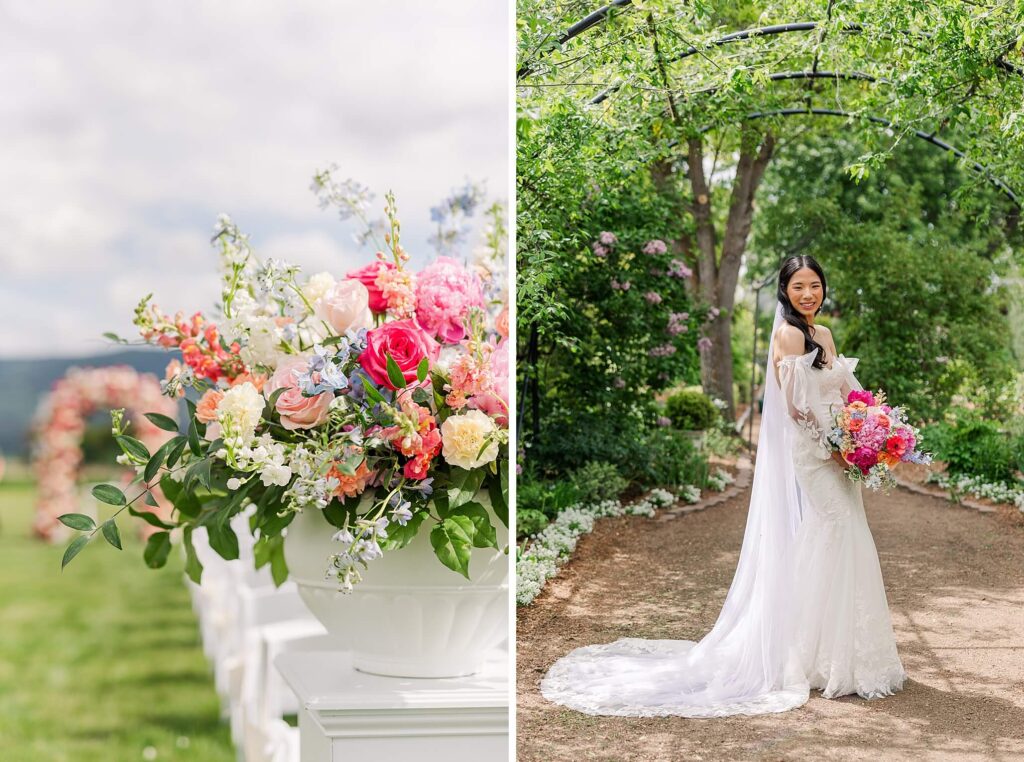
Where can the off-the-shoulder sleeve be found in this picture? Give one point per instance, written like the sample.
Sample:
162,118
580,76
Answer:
850,381
800,392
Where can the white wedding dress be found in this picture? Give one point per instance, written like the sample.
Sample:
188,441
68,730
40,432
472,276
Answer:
806,608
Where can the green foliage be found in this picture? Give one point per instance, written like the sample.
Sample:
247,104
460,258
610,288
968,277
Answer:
914,279
529,521
550,498
670,459
597,481
691,411
974,447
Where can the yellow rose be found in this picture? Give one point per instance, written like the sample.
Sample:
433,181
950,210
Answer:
462,436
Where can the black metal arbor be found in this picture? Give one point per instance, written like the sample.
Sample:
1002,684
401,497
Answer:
600,15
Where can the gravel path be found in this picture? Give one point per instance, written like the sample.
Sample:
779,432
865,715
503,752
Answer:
955,584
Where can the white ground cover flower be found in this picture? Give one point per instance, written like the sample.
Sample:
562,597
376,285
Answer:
552,547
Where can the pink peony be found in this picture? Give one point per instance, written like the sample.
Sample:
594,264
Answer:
297,412
368,277
861,395
863,458
445,292
346,306
407,344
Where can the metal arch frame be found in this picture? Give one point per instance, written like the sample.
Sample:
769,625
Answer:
861,76
598,16
928,138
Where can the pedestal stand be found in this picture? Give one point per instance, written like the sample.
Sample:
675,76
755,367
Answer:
346,715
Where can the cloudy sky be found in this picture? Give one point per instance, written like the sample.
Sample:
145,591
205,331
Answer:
125,128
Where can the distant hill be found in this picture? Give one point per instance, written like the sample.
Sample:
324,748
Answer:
24,382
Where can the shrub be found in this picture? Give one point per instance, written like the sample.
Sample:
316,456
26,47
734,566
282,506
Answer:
529,521
691,411
549,498
597,481
670,459
973,447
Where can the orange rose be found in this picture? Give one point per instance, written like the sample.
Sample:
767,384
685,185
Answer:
206,410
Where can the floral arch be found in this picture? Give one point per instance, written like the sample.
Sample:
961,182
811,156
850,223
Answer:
60,425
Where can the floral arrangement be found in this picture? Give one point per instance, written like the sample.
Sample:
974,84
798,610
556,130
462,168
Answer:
873,438
58,429
378,398
552,547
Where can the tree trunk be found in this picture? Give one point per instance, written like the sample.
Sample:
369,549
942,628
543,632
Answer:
718,276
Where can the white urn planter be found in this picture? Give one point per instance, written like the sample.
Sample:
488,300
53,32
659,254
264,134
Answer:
411,616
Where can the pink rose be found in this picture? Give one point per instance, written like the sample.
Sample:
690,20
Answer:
297,412
445,292
861,395
346,306
368,277
407,344
495,402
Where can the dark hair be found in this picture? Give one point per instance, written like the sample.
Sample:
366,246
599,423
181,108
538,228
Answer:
789,312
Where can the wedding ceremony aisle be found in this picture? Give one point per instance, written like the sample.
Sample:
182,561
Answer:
102,662
955,584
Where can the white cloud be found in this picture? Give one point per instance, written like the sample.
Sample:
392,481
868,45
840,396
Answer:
125,129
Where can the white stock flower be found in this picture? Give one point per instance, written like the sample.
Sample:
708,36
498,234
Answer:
462,436
240,410
274,473
264,347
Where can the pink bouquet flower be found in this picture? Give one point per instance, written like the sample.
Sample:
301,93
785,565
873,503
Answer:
874,438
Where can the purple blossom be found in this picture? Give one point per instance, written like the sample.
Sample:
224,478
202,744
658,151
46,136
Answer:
703,343
677,323
608,239
599,250
662,350
653,297
678,269
619,382
655,247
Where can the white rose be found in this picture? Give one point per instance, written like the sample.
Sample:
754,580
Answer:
240,411
462,436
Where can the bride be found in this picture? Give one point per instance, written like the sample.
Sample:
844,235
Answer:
807,607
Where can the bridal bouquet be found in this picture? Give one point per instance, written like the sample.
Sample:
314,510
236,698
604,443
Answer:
378,398
873,438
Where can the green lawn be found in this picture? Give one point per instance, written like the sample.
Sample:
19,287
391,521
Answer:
103,661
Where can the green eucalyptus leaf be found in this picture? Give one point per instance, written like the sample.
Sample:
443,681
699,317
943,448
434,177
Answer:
164,422
110,533
193,566
157,549
74,548
109,494
133,447
78,521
